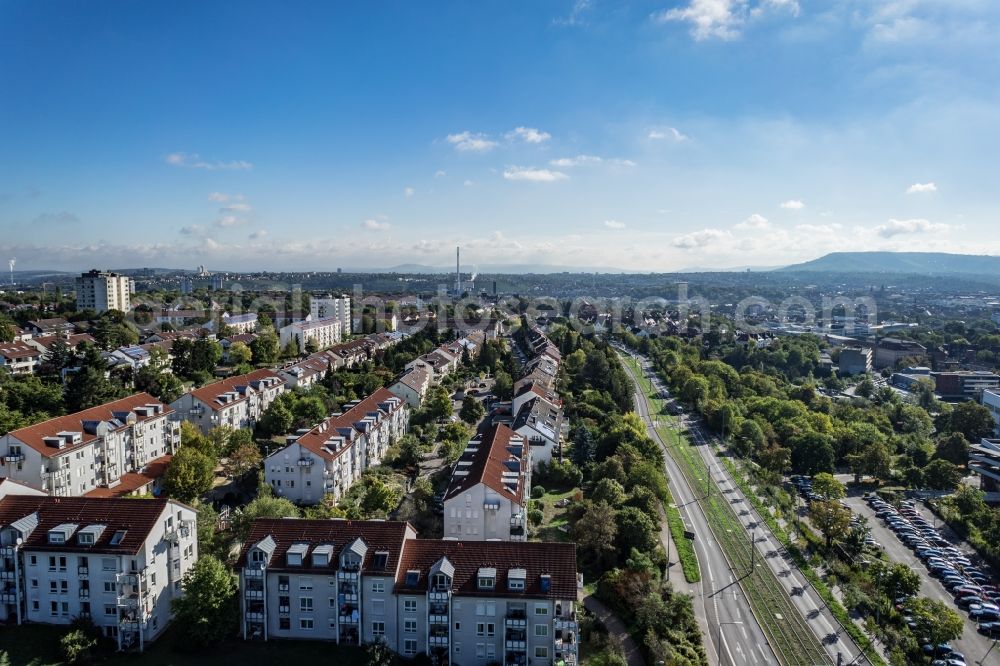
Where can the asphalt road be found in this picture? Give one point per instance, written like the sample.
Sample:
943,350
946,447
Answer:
972,644
719,602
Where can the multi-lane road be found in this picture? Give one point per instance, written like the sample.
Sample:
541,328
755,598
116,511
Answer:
726,608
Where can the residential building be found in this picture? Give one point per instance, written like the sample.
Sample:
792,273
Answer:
102,291
237,401
305,373
332,307
964,385
43,343
487,496
540,422
240,323
74,454
322,332
412,386
330,458
438,363
855,361
984,459
50,326
19,358
245,338
117,562
11,487
356,582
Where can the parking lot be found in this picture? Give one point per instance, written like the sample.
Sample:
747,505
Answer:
921,532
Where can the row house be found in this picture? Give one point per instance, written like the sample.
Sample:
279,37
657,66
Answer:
487,496
74,454
117,562
52,326
457,602
44,343
227,342
412,386
240,323
322,332
536,410
541,423
437,363
237,402
19,358
305,373
331,457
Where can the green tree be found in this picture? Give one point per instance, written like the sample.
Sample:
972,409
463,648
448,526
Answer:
595,533
112,331
157,379
208,613
936,621
826,485
276,420
262,507
77,647
438,403
205,355
954,448
7,329
897,579
609,491
239,353
378,653
503,386
972,420
265,347
831,519
635,530
472,410
89,386
189,475
242,460
940,474
379,498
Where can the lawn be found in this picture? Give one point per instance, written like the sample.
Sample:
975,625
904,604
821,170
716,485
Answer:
38,645
554,519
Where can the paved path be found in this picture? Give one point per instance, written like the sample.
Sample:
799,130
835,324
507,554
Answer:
616,628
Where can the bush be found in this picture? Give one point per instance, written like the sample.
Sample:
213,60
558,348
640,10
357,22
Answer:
535,517
537,492
78,647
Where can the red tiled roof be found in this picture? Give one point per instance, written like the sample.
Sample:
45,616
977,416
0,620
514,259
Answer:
133,481
72,340
489,462
33,435
208,393
136,517
317,437
558,560
14,350
378,535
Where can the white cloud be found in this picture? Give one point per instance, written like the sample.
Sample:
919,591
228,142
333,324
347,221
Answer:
921,188
194,161
667,134
192,230
614,224
236,207
218,196
469,142
375,225
230,221
721,19
528,135
755,221
915,226
531,174
468,183
790,6
408,192
699,238
792,204
60,218
260,234
576,14
579,160
440,173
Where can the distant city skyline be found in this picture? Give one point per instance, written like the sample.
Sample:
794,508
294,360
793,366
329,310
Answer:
653,136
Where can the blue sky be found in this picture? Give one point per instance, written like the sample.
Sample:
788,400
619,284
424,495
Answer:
654,136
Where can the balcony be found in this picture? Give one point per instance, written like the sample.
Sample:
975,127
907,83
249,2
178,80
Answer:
254,594
84,593
349,597
349,619
306,462
14,457
347,575
516,646
515,623
254,616
437,619
438,641
254,573
282,587
438,596
83,571
8,575
565,624
9,597
8,551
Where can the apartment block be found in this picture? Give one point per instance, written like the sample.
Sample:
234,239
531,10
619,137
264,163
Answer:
240,323
75,454
323,332
235,401
355,582
102,291
968,385
991,400
412,386
19,358
331,457
118,562
332,307
488,493
855,361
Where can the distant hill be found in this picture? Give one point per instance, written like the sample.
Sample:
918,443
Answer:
912,263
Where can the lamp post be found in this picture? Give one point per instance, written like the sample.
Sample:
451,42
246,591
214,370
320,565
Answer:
982,661
718,647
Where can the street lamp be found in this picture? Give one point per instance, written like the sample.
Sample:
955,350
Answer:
982,661
718,647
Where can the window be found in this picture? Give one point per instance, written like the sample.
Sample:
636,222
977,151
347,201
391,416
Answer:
409,626
54,608
109,564
541,630
491,651
305,583
458,626
52,586
541,653
34,582
378,628
378,586
480,650
515,584
480,629
409,605
33,560
491,629
410,646
378,606
541,610
306,623
64,608
52,563
284,623
110,609
34,605
306,604
486,583
109,586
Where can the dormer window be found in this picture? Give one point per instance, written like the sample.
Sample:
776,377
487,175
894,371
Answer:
440,582
86,538
412,576
515,580
57,537
381,560
487,578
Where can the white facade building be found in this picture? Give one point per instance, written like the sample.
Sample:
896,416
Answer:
332,307
19,358
412,386
235,401
488,493
323,332
331,457
75,454
355,582
102,291
118,562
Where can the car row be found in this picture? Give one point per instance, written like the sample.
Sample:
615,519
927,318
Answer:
971,588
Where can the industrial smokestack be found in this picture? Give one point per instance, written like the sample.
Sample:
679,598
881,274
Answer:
458,271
